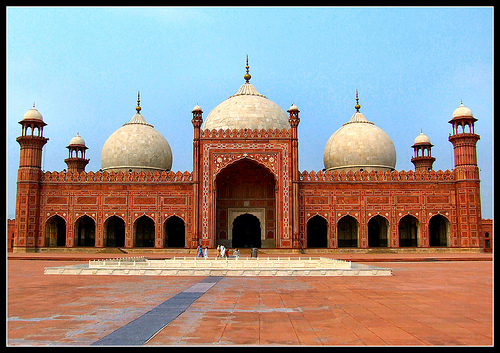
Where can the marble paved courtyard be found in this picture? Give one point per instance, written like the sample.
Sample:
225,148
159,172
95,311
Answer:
423,303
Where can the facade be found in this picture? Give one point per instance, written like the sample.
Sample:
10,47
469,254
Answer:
245,189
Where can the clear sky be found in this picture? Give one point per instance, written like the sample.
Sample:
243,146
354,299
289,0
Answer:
411,66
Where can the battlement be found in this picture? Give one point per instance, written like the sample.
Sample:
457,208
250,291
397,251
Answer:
378,176
119,177
245,133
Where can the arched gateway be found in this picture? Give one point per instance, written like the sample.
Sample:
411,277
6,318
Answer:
246,205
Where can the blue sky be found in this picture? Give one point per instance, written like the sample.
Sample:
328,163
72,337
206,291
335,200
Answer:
411,66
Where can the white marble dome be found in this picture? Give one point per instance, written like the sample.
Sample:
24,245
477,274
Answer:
462,110
247,109
33,114
359,145
136,146
422,139
77,140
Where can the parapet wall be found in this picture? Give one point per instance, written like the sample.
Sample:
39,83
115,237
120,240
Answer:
378,176
119,177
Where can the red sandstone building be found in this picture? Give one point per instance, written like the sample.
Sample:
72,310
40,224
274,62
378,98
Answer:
245,189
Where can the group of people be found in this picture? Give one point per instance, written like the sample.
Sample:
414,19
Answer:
222,252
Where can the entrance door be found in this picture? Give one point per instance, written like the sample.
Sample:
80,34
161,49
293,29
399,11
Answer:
246,232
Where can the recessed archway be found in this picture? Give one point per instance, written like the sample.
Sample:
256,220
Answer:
246,232
246,186
377,231
408,231
174,233
55,231
85,231
317,232
144,232
347,232
438,231
114,232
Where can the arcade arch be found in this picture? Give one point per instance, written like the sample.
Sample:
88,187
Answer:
408,231
114,232
347,232
144,232
85,231
317,232
55,231
377,231
439,231
174,232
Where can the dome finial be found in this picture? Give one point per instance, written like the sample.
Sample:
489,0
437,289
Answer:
138,108
33,105
247,76
357,106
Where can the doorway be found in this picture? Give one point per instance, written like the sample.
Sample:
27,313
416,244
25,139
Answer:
246,232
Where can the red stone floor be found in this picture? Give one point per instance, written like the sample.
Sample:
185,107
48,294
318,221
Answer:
446,303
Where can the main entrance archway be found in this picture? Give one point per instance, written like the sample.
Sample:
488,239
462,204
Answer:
246,232
245,187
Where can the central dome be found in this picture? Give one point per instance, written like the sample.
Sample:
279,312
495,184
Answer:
247,109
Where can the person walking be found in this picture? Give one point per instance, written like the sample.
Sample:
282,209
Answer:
222,251
200,251
218,251
205,255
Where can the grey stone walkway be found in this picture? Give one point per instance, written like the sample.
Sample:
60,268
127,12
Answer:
142,329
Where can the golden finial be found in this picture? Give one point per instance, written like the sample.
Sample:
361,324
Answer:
138,108
247,76
357,106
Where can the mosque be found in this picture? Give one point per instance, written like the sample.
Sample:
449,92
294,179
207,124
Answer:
245,189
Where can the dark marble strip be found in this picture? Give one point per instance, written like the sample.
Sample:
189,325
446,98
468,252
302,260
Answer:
140,330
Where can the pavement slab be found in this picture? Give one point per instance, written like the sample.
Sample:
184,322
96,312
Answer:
424,303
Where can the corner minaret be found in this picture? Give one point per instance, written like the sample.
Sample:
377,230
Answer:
468,194
464,141
29,173
76,160
422,158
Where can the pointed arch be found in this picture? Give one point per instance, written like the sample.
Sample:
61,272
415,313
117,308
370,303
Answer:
114,231
84,231
439,228
347,232
144,232
378,227
408,231
174,232
317,232
55,231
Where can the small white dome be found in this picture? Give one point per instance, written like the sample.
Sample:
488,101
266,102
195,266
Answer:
77,140
247,109
422,139
461,111
33,114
